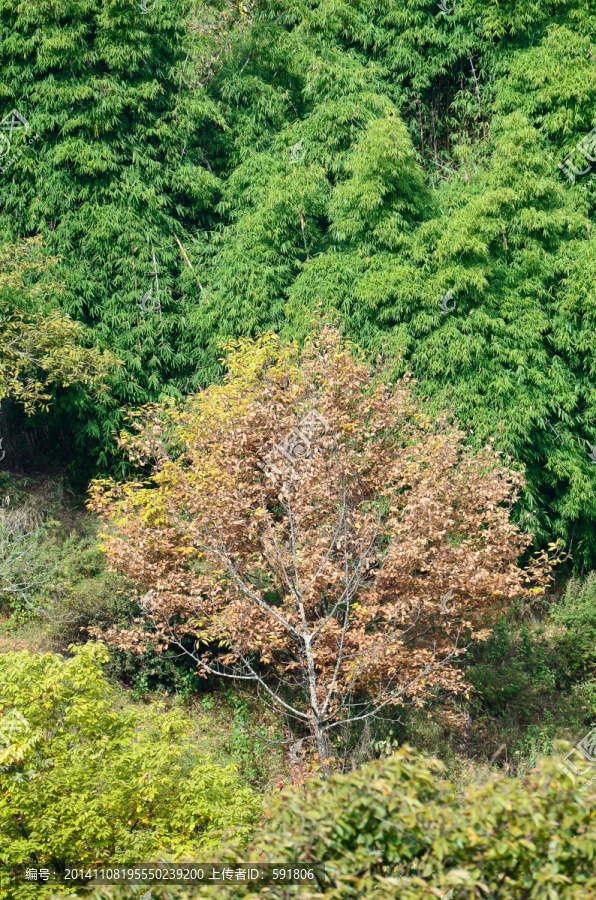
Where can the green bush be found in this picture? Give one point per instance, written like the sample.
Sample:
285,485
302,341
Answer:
396,829
525,694
92,778
516,665
577,614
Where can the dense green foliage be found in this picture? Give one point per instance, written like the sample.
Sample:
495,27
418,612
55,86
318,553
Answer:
95,778
40,345
114,173
397,829
577,615
254,166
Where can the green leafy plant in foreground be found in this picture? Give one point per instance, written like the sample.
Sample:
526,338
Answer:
90,778
397,829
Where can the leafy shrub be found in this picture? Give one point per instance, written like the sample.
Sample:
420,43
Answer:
577,613
515,665
96,779
83,593
525,695
396,829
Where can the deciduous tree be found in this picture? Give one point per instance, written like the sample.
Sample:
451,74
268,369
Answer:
307,528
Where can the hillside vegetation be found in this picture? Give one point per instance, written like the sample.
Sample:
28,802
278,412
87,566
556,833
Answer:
298,441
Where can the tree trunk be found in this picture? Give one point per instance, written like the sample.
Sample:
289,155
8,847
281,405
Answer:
321,742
